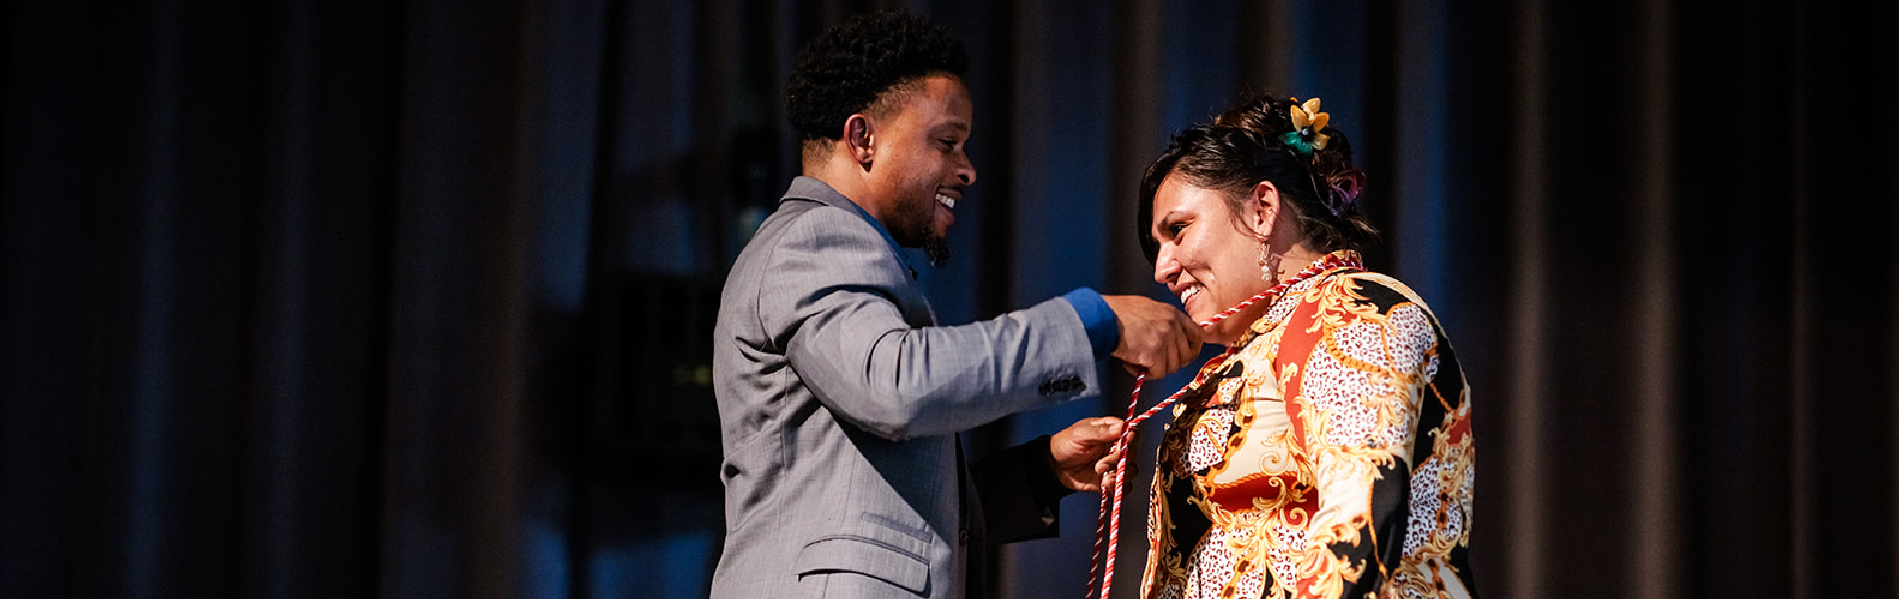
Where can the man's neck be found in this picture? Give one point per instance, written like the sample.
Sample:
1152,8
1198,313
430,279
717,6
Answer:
847,177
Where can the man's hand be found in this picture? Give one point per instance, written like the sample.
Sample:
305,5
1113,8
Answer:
1080,454
1156,338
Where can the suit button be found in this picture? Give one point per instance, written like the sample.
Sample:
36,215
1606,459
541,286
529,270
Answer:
1068,384
962,536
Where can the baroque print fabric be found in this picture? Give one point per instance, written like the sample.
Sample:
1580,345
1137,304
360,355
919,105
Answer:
1331,456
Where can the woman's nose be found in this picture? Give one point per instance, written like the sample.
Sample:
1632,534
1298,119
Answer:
1165,268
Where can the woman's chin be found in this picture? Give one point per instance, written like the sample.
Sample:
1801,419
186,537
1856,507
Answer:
1198,308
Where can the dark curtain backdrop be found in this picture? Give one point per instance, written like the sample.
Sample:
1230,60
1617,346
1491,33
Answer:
414,299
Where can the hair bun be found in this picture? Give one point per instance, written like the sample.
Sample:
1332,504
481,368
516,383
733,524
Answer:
1344,186
1333,167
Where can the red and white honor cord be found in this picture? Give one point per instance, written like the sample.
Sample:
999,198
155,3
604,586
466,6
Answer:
1108,525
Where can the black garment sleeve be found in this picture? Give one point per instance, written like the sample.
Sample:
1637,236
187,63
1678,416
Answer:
1021,497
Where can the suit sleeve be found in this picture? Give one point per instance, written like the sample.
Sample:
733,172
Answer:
829,300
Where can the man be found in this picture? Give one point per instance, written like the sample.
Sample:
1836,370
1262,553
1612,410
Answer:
840,397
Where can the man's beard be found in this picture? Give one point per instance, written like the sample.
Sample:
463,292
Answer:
919,227
937,248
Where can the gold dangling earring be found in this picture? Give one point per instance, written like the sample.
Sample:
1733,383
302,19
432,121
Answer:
1265,271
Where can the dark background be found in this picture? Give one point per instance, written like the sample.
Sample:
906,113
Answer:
413,299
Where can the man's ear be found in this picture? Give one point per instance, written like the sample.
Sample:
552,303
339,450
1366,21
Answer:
858,138
1265,205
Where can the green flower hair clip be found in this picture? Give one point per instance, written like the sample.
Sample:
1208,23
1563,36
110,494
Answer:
1307,122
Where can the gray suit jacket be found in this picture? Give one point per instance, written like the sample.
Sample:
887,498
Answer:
840,400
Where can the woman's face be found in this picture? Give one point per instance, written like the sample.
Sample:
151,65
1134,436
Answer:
1207,258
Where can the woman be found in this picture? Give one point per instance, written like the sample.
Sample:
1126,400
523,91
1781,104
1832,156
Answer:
1329,453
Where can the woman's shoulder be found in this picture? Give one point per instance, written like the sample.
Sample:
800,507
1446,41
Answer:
1379,291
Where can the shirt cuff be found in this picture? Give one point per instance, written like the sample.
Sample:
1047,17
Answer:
1104,332
1043,484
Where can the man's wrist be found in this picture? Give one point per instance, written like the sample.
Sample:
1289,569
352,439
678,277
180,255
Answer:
1045,484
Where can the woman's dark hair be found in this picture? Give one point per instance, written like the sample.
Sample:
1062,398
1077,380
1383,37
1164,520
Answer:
848,67
1244,146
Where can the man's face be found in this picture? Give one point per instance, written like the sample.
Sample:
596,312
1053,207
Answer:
919,166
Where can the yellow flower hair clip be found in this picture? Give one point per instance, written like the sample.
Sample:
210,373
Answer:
1307,122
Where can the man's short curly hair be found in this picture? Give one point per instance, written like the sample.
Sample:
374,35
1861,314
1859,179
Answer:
848,67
